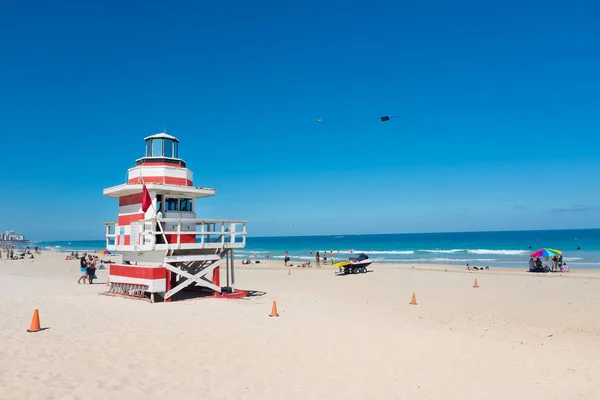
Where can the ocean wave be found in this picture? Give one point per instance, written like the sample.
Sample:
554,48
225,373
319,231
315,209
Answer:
444,259
572,258
382,252
443,251
502,252
432,260
292,257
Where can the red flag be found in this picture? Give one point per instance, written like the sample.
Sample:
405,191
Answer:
146,200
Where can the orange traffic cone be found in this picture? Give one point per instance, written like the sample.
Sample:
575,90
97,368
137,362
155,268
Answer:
475,284
274,310
289,271
35,322
413,301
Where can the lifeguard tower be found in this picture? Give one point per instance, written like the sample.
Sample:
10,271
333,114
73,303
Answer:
165,247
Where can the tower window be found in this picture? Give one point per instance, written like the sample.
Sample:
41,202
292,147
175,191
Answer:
172,205
157,147
185,204
168,148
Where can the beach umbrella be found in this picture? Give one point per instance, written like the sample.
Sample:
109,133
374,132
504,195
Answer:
542,253
103,252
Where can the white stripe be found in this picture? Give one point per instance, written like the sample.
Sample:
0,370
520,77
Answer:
130,209
172,172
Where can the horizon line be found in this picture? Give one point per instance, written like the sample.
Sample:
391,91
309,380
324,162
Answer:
369,234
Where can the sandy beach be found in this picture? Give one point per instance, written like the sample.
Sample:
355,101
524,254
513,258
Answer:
517,336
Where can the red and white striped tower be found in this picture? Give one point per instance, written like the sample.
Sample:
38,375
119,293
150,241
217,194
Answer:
165,248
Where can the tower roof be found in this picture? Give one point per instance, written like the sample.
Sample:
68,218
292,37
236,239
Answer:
163,135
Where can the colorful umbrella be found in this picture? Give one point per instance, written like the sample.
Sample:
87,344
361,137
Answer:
103,252
542,253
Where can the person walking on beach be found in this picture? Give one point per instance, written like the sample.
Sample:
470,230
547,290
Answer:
318,259
331,256
267,256
91,269
286,258
82,269
324,258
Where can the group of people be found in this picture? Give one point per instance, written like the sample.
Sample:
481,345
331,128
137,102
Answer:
248,261
473,268
324,255
557,265
318,257
12,253
88,265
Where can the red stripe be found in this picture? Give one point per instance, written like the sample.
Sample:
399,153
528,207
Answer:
128,219
138,272
131,199
159,164
166,180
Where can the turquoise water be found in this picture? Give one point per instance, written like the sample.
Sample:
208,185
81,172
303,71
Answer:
507,248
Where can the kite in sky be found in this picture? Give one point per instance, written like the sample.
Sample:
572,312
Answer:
386,118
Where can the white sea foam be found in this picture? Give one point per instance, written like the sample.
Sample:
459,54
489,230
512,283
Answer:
381,251
444,259
442,251
432,260
292,257
572,258
502,252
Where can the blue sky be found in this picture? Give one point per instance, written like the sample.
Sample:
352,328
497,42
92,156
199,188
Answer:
498,105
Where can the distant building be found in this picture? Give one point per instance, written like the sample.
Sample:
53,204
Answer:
11,236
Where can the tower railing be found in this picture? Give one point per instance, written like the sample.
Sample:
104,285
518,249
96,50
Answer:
146,235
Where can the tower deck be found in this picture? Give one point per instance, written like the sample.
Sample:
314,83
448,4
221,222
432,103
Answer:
210,234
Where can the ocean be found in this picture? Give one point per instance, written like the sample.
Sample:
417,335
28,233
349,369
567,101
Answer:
505,248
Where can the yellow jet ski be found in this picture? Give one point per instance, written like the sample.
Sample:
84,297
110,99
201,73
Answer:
354,265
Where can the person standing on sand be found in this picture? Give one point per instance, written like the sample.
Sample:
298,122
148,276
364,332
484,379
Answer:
331,256
82,269
91,269
318,259
286,258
